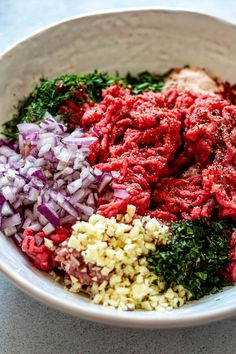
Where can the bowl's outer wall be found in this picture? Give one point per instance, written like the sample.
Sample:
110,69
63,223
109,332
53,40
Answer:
124,41
129,41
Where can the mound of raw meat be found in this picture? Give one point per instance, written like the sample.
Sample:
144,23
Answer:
172,154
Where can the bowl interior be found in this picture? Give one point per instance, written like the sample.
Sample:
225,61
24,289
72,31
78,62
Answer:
124,41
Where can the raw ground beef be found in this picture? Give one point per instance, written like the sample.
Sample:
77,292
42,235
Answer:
57,257
73,264
175,152
33,245
182,197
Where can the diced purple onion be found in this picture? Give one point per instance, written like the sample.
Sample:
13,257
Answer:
38,240
96,132
85,209
27,128
6,151
26,223
115,174
10,231
91,200
36,227
11,221
39,174
18,239
105,180
97,172
48,229
51,184
49,214
2,201
121,193
87,141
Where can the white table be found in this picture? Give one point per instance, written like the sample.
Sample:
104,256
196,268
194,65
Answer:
27,327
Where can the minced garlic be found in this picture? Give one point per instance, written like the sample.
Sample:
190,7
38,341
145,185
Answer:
119,247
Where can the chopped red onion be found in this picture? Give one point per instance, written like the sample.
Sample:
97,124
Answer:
39,174
9,193
2,202
105,180
3,160
33,194
79,195
74,186
91,200
50,183
97,172
68,220
26,223
27,128
38,240
18,239
49,214
64,155
121,193
64,203
44,149
10,231
96,132
85,209
17,203
72,139
36,227
43,221
87,141
115,174
52,125
11,221
29,214
48,229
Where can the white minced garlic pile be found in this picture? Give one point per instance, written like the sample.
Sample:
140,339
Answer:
119,247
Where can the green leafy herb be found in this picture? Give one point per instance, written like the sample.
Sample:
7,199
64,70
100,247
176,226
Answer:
50,94
145,81
194,256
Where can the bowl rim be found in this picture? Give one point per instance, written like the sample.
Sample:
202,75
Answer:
100,314
104,315
164,9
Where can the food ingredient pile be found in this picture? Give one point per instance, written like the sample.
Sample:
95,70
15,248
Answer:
125,188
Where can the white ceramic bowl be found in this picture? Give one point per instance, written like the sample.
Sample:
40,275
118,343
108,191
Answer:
132,40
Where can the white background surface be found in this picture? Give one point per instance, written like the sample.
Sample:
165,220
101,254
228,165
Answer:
28,327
